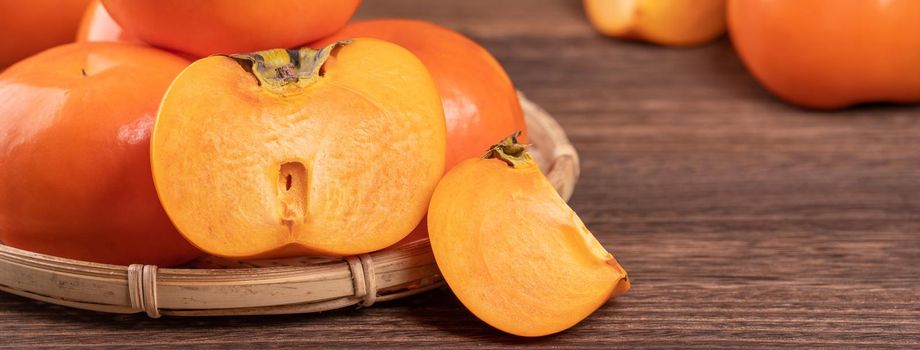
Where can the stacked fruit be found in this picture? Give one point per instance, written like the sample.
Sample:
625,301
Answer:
253,129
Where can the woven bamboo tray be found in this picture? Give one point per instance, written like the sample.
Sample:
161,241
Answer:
213,286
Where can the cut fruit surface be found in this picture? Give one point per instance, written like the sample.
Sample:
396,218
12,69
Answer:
333,151
513,251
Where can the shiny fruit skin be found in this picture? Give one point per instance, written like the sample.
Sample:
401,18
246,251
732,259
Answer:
829,54
207,27
75,178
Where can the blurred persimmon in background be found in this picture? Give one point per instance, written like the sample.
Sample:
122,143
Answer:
31,26
829,53
98,25
205,27
662,22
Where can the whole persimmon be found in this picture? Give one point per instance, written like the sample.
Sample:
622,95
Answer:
830,54
288,152
28,27
206,27
480,102
513,251
75,179
98,25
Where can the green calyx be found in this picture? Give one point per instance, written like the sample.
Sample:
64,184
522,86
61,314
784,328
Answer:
279,69
510,151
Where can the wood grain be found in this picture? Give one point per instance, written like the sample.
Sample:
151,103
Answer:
744,222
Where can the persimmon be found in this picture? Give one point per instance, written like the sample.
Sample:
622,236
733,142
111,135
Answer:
206,27
663,22
333,151
480,102
33,26
829,54
513,251
75,179
98,25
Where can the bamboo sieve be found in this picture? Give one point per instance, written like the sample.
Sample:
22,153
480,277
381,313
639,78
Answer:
213,286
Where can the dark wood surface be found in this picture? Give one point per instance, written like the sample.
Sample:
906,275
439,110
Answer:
744,222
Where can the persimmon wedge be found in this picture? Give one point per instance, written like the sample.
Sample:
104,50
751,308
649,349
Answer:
289,152
513,251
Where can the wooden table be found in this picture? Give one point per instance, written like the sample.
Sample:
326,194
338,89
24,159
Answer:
743,221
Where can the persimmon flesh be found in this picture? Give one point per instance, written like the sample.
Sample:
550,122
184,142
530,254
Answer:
333,151
480,102
513,251
479,107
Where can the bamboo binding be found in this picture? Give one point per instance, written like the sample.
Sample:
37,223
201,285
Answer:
220,287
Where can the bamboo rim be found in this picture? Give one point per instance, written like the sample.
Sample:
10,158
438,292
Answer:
219,287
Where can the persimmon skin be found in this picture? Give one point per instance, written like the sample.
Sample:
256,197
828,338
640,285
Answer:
338,163
32,26
206,27
827,54
98,25
514,253
75,179
480,102
677,23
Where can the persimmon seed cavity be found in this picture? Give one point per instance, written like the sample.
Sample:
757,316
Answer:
292,192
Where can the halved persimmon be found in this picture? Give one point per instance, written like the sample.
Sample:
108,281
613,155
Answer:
206,27
513,251
333,151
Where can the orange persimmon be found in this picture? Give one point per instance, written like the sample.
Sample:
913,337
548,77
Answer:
29,27
98,25
663,22
288,152
831,54
75,178
513,251
480,102
206,27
